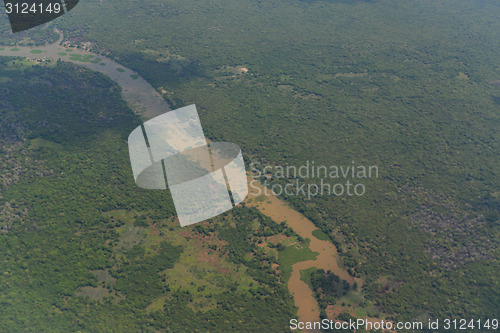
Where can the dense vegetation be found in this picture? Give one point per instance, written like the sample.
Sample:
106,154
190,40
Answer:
328,288
412,87
409,87
84,249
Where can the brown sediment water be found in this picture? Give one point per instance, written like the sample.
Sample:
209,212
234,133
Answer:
327,258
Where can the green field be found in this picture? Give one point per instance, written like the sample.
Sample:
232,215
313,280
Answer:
320,235
81,58
291,255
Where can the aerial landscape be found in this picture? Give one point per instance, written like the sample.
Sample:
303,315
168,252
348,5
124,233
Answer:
370,135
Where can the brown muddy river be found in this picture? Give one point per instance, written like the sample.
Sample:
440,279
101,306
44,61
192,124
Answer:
278,210
145,101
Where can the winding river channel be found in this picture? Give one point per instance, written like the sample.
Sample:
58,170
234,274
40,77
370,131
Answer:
278,210
145,101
